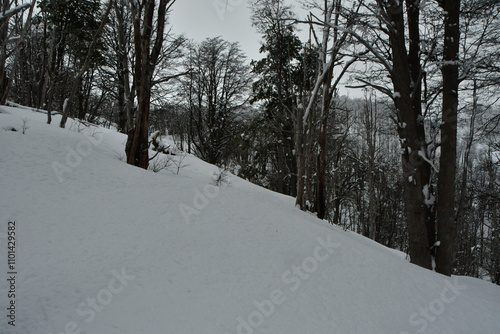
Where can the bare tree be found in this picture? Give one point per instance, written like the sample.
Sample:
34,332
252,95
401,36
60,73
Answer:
400,55
119,37
148,43
216,90
330,55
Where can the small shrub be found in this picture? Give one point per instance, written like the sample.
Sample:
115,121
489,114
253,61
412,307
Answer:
178,162
222,177
25,126
160,163
77,126
121,157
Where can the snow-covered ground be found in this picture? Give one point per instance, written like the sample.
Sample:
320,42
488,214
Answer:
106,248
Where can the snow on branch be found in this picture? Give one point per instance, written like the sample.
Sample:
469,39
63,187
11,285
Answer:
159,146
422,154
381,89
314,93
15,10
14,39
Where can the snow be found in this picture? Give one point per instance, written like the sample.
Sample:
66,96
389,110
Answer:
429,198
421,153
107,250
65,104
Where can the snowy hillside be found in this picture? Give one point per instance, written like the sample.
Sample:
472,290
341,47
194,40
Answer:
106,248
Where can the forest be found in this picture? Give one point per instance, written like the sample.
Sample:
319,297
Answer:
412,162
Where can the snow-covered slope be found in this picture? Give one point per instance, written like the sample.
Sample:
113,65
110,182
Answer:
106,248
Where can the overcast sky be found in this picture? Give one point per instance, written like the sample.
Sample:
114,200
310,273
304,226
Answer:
200,19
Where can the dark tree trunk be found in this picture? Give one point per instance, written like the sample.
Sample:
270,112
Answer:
299,153
80,96
4,31
122,110
137,143
447,229
416,172
321,186
52,72
371,142
137,148
413,10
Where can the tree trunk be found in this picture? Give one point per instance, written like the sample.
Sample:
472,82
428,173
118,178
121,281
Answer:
137,142
137,148
321,186
122,66
49,64
299,154
371,137
4,32
5,81
416,172
447,229
80,96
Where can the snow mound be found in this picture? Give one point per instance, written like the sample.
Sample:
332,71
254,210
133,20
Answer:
106,248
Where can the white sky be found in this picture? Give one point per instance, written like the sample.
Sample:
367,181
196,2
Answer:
200,19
